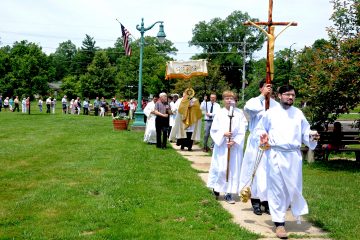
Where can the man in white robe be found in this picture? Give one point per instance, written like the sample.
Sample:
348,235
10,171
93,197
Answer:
150,130
285,128
187,125
225,140
173,109
255,110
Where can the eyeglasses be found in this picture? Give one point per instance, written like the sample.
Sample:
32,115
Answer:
289,94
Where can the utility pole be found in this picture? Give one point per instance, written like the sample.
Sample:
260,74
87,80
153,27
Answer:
243,70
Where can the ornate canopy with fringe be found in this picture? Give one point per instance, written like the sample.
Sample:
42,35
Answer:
186,69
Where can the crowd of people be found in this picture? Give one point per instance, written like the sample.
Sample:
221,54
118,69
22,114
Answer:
12,104
270,164
100,106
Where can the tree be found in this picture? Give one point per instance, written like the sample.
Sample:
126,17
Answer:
71,86
5,68
27,70
62,59
222,42
100,78
155,57
283,67
346,18
328,73
84,56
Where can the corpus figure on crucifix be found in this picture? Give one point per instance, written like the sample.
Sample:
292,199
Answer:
270,44
271,41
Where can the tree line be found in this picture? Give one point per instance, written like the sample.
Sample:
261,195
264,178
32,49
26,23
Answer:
326,74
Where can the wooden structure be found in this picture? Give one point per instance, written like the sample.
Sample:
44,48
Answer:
270,44
349,142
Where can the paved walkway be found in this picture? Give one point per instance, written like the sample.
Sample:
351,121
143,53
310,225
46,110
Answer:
242,212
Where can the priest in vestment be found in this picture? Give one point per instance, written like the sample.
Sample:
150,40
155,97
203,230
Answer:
285,128
150,130
225,140
187,125
254,110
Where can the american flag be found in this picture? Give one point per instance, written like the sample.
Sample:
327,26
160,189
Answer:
125,35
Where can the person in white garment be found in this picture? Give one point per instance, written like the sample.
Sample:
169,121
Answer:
23,105
150,130
188,119
254,110
285,128
225,140
173,109
209,108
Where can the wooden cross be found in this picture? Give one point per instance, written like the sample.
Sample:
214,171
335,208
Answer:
270,33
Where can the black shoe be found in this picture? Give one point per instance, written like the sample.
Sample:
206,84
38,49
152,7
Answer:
265,204
257,211
216,194
256,206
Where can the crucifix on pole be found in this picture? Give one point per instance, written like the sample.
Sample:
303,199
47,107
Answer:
270,33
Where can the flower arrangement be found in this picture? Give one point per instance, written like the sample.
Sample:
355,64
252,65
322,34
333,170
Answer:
121,117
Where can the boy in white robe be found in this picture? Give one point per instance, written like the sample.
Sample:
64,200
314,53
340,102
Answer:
285,128
225,140
150,130
255,110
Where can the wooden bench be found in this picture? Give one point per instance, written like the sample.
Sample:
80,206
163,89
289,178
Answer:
347,138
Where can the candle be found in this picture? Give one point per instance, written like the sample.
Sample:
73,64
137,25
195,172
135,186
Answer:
231,110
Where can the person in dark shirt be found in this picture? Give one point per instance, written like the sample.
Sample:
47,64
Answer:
162,112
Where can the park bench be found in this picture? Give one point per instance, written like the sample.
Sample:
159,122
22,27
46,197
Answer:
347,139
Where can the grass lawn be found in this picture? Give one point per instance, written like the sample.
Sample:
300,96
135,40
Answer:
73,177
332,190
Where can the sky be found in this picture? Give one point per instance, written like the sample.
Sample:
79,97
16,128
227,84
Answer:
50,22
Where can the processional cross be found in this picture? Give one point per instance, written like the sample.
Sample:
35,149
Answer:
270,33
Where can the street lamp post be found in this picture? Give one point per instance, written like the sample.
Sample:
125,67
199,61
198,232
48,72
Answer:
290,63
129,90
243,71
139,114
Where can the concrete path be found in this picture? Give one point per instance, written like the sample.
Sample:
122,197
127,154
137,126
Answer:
242,212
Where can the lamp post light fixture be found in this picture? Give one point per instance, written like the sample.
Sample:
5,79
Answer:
290,63
129,90
139,114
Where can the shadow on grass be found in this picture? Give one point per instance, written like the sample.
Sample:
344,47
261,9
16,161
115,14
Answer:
337,165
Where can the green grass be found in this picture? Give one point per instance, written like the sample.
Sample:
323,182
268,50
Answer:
73,177
349,116
332,190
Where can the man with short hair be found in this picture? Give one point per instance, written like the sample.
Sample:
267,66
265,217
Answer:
162,112
209,108
16,102
64,104
96,106
255,110
285,128
48,104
